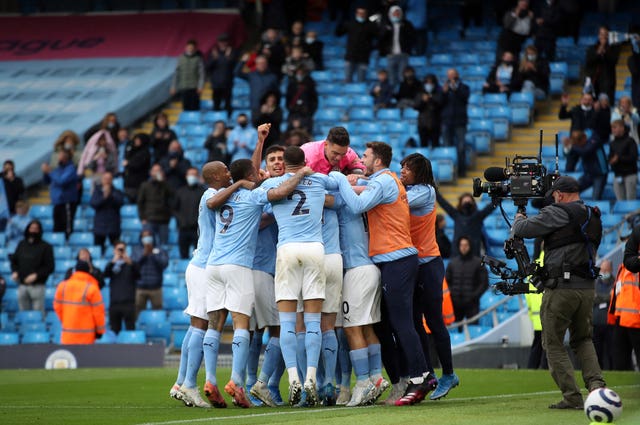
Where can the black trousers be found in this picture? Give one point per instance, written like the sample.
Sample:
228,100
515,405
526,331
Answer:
624,341
190,100
222,95
100,239
603,343
537,356
186,239
63,215
429,137
465,310
120,312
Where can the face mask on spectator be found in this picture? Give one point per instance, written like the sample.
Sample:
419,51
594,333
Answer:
243,124
606,276
68,146
147,240
299,77
192,180
396,19
428,87
531,58
110,125
309,40
159,177
585,108
33,236
360,19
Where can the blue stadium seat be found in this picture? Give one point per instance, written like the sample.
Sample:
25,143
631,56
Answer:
397,127
604,206
410,114
158,331
482,133
476,99
329,89
475,72
179,319
9,338
355,88
4,322
331,115
557,77
362,100
106,296
521,106
36,338
81,239
131,224
201,131
369,128
456,337
177,336
417,61
51,319
467,58
625,207
174,298
130,210
55,239
500,116
444,153
28,316
170,279
442,59
189,117
361,114
41,211
478,330
488,299
494,99
390,114
10,300
180,265
342,102
32,327
150,316
475,112
206,104
196,156
609,220
322,76
131,337
61,266
5,269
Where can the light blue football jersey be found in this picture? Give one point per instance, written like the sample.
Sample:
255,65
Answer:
354,239
330,232
237,224
299,215
265,258
206,230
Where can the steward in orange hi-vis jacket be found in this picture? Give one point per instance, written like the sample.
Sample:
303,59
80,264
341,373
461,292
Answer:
78,304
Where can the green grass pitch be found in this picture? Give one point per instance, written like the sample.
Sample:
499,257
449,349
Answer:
140,396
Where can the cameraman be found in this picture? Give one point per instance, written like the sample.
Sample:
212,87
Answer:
568,278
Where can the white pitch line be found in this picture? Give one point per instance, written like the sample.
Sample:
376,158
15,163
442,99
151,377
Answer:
302,410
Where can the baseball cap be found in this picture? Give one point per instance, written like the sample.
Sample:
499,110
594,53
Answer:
564,184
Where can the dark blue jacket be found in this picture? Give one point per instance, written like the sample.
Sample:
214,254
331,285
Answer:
594,160
259,84
151,267
107,218
64,184
454,105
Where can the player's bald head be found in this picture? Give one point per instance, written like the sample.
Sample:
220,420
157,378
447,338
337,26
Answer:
212,171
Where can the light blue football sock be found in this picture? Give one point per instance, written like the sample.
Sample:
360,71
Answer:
276,376
194,359
240,350
271,355
343,358
254,357
184,352
301,355
210,345
329,355
360,362
288,338
375,360
312,344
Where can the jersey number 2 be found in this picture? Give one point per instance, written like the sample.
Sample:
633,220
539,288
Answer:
226,220
298,210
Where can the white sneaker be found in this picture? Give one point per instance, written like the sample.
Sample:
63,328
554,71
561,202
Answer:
397,392
344,397
379,386
262,393
360,393
192,396
174,392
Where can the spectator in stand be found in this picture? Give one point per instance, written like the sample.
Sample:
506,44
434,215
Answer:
590,151
296,60
188,79
13,185
409,86
302,99
222,62
151,262
106,200
468,279
548,21
242,139
297,137
16,225
583,116
361,34
627,113
504,76
63,192
185,209
69,141
467,219
123,274
85,255
517,26
441,237
99,152
216,143
470,10
260,81
137,161
454,116
382,91
78,303
109,123
428,102
313,48
600,64
602,332
161,136
154,204
296,35
31,265
623,158
175,166
602,123
534,73
396,40
122,142
273,46
633,63
270,112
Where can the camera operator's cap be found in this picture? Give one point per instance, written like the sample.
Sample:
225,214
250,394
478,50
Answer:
566,184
